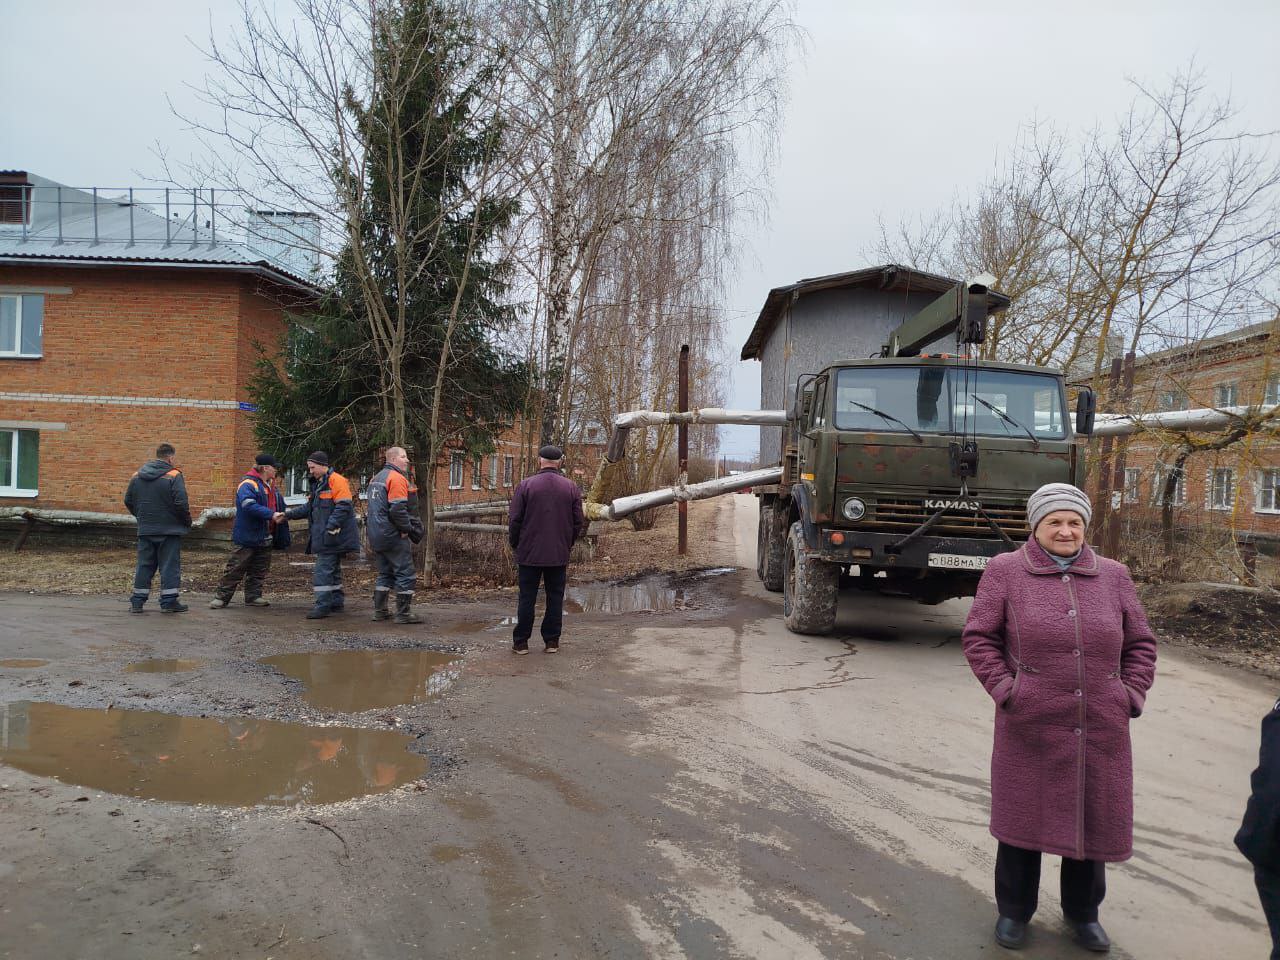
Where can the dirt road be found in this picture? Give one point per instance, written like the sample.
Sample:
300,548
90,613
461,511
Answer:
690,783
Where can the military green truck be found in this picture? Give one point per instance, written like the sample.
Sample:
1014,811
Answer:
904,472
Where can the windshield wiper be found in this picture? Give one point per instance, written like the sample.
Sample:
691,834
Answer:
1005,417
887,416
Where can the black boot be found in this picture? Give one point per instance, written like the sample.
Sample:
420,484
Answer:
319,611
380,611
1011,933
1091,936
403,614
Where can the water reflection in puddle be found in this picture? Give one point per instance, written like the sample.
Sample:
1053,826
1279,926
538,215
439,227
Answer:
20,664
352,681
638,596
235,762
164,666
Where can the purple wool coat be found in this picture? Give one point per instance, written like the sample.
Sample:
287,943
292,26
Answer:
1068,659
544,519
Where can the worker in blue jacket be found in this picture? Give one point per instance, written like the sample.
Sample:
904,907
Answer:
259,528
1259,834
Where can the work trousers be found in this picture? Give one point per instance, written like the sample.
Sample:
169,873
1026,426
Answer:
327,581
395,568
553,579
1084,884
1268,884
163,554
249,564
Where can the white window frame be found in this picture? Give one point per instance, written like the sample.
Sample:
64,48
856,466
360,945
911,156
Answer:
1132,485
13,490
1227,500
1161,473
477,471
1267,481
16,353
294,477
493,472
455,470
508,470
1225,395
1271,391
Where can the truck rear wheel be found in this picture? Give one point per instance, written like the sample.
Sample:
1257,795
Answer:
770,549
810,588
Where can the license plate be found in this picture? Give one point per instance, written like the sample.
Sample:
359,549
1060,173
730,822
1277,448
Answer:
957,561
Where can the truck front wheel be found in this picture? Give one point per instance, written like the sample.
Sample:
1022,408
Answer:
770,549
810,588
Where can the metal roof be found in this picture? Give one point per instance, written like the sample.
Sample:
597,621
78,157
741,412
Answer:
84,228
890,276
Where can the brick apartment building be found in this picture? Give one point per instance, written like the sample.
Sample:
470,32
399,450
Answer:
121,328
1236,489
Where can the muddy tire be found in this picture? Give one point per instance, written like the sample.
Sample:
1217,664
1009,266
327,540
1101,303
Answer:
810,588
770,549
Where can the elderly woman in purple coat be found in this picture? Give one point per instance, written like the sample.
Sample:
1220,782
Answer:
1058,638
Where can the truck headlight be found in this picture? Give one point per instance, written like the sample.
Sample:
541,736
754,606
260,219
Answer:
854,509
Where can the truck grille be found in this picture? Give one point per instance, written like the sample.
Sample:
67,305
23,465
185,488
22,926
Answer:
907,513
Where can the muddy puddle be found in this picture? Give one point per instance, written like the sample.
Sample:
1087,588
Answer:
234,762
164,666
352,681
637,596
20,664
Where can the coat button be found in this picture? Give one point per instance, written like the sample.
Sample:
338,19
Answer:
1065,578
1075,653
1077,731
1078,693
1071,613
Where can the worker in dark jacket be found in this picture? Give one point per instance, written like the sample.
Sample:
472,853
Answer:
256,533
393,525
157,496
333,532
544,519
1259,835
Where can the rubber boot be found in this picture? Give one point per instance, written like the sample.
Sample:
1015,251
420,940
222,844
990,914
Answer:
403,614
318,612
380,611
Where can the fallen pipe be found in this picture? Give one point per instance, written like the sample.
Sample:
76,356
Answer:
73,518
623,506
1197,420
470,527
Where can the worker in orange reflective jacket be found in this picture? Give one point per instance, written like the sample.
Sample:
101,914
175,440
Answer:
333,532
393,525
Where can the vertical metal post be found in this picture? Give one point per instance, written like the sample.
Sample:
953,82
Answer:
213,220
131,216
195,217
26,210
59,214
1102,487
95,216
1111,527
682,434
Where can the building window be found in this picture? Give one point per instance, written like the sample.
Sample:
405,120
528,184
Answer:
1132,476
455,470
296,484
1157,486
15,199
493,473
21,325
508,470
1224,395
477,468
19,462
1268,492
1222,488
1172,400
1271,395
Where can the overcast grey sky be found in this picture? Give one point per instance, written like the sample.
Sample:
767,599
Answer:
895,107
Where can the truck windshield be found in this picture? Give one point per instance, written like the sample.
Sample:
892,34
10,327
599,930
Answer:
944,399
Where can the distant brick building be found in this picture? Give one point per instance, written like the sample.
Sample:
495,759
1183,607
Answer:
119,330
1236,488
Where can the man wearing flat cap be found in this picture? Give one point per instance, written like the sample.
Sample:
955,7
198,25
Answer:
259,528
544,519
332,515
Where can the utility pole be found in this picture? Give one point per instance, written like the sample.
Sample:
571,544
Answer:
682,434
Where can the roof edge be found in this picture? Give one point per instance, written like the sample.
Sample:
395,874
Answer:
260,269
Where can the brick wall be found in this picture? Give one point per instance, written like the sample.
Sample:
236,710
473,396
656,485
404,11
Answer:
133,357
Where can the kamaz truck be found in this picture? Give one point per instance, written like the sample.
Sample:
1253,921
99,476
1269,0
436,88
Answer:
903,472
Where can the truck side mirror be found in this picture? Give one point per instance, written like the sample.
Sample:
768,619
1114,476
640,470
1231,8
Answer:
1086,408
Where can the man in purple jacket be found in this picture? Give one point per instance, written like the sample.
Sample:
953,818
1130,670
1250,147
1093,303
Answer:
544,519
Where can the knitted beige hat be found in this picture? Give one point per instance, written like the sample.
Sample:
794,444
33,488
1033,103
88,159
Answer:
1057,496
